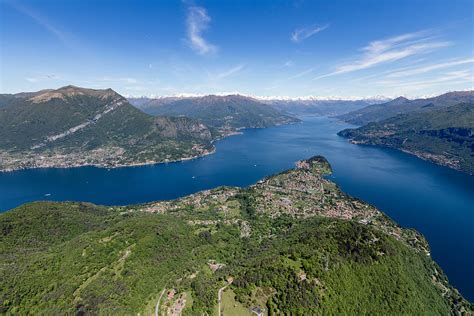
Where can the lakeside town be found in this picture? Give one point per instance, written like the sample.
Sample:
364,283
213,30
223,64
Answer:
107,157
300,193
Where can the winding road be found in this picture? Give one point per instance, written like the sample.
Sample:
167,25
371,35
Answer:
157,307
219,297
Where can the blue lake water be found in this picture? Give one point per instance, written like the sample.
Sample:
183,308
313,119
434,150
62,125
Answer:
435,200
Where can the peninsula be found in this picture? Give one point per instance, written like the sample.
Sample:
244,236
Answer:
293,243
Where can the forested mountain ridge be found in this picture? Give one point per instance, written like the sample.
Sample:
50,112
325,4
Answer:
401,105
226,113
442,135
74,126
315,107
291,244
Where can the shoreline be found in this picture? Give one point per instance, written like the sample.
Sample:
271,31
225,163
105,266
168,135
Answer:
116,166
425,156
238,131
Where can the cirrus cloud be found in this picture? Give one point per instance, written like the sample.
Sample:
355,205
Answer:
300,35
427,68
230,72
389,50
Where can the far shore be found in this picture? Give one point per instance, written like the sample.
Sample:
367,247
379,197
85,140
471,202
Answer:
104,165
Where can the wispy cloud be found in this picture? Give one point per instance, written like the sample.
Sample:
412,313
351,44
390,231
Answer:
299,35
427,68
42,78
197,22
136,88
301,74
288,63
461,76
390,50
117,79
230,72
42,21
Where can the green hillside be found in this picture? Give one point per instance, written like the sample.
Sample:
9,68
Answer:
291,244
6,99
73,126
401,105
444,136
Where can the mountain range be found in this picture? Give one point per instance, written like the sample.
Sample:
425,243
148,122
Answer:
291,106
226,113
444,135
74,126
438,129
401,105
316,107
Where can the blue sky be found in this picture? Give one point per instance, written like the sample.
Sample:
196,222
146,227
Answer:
263,48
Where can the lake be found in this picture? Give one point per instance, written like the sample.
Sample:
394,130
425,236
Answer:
437,201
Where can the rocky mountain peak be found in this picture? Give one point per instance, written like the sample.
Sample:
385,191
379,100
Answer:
71,91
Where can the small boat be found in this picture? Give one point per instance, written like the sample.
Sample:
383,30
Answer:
47,194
